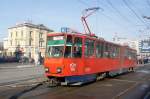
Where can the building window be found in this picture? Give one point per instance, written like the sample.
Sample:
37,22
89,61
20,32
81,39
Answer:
11,42
30,38
11,34
30,42
21,33
41,44
16,34
40,35
30,34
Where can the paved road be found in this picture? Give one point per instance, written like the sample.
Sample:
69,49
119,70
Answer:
13,72
128,86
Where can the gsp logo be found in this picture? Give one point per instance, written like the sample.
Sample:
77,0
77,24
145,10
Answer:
73,67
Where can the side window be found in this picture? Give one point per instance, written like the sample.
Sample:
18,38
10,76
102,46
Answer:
127,54
133,54
115,52
99,49
89,47
125,51
111,50
77,49
68,49
106,50
69,39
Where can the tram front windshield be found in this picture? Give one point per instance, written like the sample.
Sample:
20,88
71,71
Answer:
56,47
55,51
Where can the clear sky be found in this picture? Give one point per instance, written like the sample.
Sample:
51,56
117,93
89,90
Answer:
123,17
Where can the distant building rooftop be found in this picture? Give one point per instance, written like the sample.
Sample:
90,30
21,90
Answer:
27,24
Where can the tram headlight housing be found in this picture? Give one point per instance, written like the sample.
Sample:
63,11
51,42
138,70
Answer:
59,70
46,69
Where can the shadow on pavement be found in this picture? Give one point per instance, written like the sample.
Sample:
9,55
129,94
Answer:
16,96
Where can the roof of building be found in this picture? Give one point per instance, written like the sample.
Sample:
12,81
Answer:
27,24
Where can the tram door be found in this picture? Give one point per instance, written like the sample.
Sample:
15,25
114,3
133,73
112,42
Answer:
73,53
77,53
89,55
122,58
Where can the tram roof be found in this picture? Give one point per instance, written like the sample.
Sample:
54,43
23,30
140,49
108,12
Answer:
77,34
88,36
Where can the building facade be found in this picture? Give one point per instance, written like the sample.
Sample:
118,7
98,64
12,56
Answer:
28,38
144,47
133,43
1,48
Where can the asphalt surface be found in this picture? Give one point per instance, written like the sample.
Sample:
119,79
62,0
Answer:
135,85
13,72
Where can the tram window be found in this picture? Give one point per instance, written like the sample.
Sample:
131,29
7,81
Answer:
111,51
99,50
67,51
133,55
77,52
54,51
89,47
128,54
69,39
115,52
106,50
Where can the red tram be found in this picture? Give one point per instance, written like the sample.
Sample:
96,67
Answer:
73,58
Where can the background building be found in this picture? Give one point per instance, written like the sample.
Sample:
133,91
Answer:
27,38
1,48
133,43
144,47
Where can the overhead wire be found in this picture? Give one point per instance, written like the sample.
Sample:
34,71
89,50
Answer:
138,10
113,9
148,2
119,13
106,16
132,10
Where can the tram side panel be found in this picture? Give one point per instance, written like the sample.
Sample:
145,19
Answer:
127,59
99,65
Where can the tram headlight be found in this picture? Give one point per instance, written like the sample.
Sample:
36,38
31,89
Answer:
46,69
59,70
